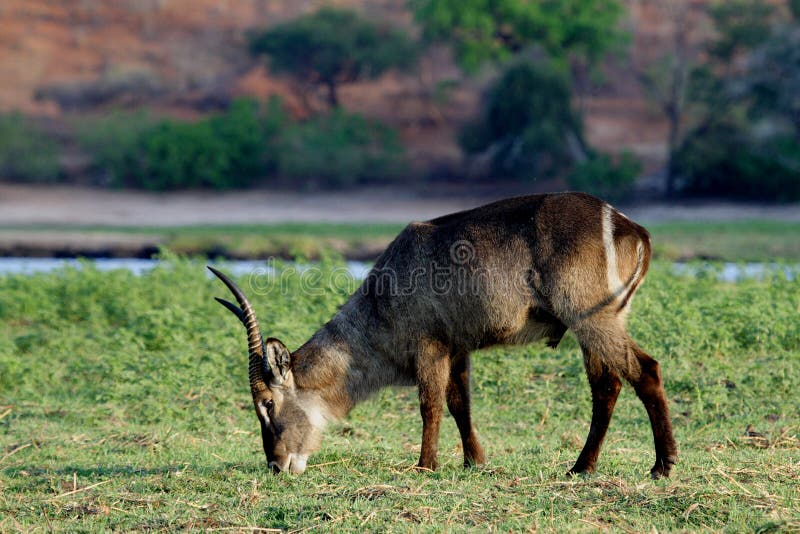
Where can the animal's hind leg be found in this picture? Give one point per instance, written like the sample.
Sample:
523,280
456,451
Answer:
609,353
605,384
650,389
458,402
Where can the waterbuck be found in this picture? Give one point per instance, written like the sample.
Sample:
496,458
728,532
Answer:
510,272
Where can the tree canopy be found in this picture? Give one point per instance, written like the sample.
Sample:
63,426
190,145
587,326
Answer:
332,47
747,141
527,126
491,30
772,76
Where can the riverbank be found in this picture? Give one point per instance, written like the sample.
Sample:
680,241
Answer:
74,222
675,241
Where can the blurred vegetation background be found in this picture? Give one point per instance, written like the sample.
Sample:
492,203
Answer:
618,98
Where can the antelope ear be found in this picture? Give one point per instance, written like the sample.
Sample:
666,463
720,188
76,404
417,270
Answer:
277,360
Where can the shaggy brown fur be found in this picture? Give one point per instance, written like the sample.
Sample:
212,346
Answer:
511,272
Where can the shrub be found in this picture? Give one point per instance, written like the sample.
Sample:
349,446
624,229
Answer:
240,146
182,155
338,150
527,126
222,152
724,160
113,144
27,154
608,179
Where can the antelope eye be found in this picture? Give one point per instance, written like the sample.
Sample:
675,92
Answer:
268,404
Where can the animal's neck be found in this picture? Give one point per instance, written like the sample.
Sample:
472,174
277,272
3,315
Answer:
346,360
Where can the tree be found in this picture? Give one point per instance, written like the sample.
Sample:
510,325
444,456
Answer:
747,143
665,78
527,128
333,47
740,26
772,78
693,69
494,30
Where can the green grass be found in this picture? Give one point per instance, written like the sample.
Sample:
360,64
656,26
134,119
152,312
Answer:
728,241
124,405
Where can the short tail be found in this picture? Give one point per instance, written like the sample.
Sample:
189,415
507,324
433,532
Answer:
643,251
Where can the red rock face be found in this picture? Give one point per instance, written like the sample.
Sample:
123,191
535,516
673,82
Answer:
191,51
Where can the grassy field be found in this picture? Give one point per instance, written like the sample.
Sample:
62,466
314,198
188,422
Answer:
724,241
124,405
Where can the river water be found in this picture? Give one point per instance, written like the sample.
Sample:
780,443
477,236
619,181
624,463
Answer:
729,272
137,266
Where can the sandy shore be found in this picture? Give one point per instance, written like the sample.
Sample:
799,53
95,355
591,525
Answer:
73,206
84,206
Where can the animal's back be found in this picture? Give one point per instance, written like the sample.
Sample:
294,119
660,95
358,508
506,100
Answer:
512,271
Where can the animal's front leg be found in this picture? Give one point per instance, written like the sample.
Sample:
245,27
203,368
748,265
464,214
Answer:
433,372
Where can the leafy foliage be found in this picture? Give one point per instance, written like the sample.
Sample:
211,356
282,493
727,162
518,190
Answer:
240,147
772,80
113,143
139,385
741,26
527,124
339,150
27,154
724,160
222,152
747,144
332,47
608,179
492,30
527,128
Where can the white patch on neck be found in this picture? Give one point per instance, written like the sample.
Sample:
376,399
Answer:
315,411
612,274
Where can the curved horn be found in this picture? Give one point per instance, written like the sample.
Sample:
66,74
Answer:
233,308
255,342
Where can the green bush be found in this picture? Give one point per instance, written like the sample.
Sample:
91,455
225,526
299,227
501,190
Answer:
239,147
113,144
527,125
27,154
604,177
723,160
183,155
226,151
339,150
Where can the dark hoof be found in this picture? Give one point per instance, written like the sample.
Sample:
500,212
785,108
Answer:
474,460
427,466
580,471
662,468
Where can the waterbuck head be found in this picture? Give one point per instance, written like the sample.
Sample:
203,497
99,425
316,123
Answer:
290,422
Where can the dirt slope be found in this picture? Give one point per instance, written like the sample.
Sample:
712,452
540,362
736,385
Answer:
185,56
